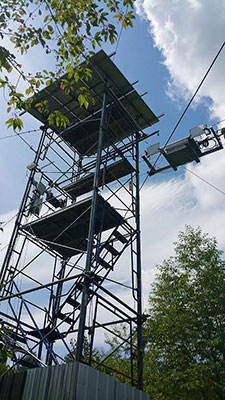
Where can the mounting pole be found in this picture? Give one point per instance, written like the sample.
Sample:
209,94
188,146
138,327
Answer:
84,301
139,288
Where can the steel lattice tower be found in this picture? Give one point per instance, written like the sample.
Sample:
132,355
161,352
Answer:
73,265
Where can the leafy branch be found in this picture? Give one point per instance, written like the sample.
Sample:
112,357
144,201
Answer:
69,31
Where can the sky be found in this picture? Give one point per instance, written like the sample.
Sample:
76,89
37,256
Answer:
169,50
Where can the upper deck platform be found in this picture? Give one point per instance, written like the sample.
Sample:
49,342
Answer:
82,133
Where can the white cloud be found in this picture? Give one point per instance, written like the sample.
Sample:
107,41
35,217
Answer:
189,33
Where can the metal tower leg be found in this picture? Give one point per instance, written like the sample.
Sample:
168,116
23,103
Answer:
139,288
84,302
20,213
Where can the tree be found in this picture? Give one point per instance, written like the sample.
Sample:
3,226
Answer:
68,32
185,329
185,356
117,359
71,357
114,361
3,356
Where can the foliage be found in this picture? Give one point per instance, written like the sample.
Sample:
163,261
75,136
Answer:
114,361
118,357
185,358
3,358
69,31
70,357
5,353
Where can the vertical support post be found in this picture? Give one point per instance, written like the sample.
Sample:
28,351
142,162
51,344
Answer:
56,303
84,301
131,356
21,211
139,284
55,306
93,332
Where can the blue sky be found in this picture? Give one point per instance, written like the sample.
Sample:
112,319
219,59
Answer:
169,62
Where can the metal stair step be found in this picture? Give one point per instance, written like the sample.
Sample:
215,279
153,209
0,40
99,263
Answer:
97,278
66,319
27,364
49,333
79,286
18,338
111,249
120,237
104,263
72,302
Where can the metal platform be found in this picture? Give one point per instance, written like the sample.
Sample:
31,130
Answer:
66,231
83,131
50,333
112,172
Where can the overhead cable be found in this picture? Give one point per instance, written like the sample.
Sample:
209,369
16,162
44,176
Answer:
188,105
194,95
204,180
197,176
19,134
218,122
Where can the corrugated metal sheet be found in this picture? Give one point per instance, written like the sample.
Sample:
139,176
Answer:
11,386
72,381
96,385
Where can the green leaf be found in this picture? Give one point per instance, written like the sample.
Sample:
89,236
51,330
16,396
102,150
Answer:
70,29
81,99
16,123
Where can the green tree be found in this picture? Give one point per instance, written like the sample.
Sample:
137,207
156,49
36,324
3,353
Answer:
117,358
185,356
68,32
3,357
70,357
114,361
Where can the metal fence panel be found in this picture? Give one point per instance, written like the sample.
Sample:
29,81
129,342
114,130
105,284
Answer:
12,386
36,383
94,385
74,381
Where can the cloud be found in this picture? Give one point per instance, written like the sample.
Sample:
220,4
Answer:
189,33
168,206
